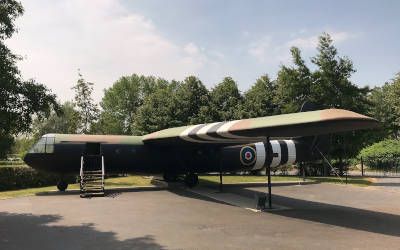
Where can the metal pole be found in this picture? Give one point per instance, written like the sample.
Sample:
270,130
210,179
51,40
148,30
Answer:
268,170
220,180
269,188
362,167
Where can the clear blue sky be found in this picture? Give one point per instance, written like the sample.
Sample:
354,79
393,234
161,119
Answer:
210,39
219,25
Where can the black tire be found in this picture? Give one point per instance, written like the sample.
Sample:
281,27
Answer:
62,186
191,180
170,177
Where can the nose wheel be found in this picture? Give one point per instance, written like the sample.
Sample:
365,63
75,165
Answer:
191,180
62,185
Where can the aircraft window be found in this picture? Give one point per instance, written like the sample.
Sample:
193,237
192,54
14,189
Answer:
49,144
39,147
44,145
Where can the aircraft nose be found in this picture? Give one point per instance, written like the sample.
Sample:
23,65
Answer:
28,159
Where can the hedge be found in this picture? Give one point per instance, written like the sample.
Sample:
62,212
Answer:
382,155
19,177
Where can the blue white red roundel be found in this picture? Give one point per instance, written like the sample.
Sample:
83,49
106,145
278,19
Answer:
247,156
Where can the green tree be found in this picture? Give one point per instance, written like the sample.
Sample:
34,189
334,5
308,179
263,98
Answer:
88,110
386,107
294,84
190,97
157,111
64,122
225,102
332,86
328,86
259,99
20,100
120,103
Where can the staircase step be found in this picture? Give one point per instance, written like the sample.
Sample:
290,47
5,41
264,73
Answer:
93,182
91,186
92,171
92,190
92,179
97,173
92,195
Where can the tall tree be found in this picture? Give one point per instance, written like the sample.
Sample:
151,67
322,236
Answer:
157,111
190,97
225,100
120,103
87,108
329,85
20,100
332,85
386,107
64,122
259,99
294,84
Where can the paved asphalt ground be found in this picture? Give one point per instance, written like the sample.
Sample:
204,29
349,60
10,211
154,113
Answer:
319,216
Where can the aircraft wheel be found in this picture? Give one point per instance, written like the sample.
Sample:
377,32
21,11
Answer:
191,180
62,186
170,177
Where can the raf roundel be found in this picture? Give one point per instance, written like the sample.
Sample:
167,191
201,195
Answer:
247,156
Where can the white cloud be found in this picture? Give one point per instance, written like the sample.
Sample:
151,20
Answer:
266,49
260,48
191,49
103,39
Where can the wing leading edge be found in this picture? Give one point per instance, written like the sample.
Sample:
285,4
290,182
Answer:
318,122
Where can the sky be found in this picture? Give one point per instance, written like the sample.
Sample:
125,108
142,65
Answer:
211,39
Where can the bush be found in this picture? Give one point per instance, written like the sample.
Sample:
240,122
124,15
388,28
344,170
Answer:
382,155
12,178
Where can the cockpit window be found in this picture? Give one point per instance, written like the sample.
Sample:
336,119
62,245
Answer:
44,145
50,145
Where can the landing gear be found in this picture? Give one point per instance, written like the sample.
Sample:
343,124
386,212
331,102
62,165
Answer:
170,177
62,185
191,180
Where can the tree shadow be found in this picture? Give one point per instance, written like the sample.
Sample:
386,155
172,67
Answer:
336,215
27,231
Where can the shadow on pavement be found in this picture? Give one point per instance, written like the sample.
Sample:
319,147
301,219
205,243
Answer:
109,192
385,184
27,231
336,215
188,194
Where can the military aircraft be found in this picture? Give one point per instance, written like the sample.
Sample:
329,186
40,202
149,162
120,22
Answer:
248,144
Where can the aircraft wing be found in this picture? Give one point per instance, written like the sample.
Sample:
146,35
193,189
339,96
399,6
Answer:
309,123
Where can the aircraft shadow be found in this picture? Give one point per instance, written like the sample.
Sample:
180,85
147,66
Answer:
386,184
27,231
336,215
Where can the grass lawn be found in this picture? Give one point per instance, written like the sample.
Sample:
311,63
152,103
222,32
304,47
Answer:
129,181
136,180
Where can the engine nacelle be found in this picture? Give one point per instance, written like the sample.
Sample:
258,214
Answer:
258,155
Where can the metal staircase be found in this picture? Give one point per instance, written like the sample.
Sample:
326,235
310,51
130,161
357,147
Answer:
92,176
